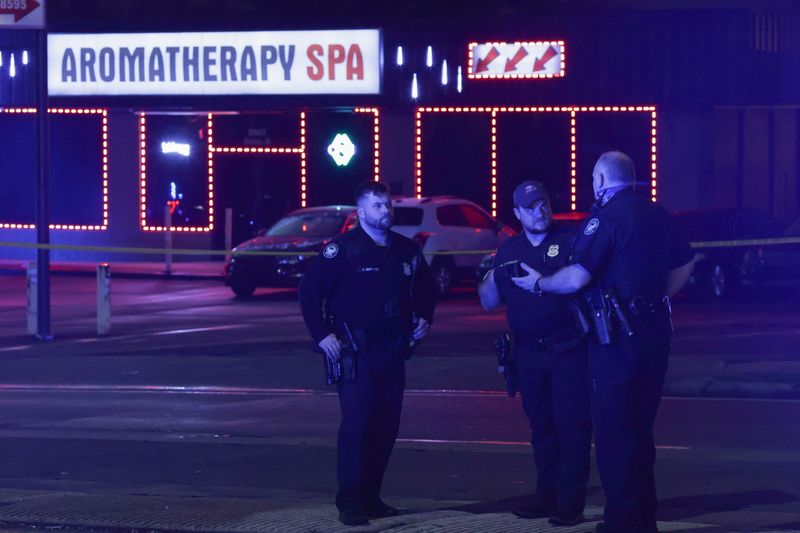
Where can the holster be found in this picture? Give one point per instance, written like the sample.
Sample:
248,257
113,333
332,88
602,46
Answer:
349,364
614,318
354,343
505,363
333,370
404,347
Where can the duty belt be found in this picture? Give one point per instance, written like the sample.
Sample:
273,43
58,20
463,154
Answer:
638,305
561,340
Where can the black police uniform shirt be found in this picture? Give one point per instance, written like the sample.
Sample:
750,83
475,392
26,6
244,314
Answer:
370,287
533,316
630,245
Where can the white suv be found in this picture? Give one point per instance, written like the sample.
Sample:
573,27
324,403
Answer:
449,224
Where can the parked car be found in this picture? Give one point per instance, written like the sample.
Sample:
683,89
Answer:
302,231
449,224
722,268
776,264
570,219
438,224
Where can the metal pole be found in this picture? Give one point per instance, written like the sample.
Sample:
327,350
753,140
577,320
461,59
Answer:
228,232
168,241
103,299
42,193
33,321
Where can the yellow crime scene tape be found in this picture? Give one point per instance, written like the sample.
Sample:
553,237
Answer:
185,251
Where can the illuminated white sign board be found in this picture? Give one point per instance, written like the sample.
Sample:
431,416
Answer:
541,59
220,63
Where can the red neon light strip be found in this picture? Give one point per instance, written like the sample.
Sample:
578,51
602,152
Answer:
376,138
494,164
210,141
573,162
212,149
64,111
653,181
250,150
572,110
418,161
470,57
303,177
142,172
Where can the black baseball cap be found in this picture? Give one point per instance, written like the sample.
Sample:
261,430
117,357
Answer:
528,192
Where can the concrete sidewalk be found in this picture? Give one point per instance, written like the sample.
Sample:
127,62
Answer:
283,513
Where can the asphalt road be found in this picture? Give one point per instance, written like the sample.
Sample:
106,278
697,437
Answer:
196,394
731,463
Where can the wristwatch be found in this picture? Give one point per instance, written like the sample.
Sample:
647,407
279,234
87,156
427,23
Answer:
537,290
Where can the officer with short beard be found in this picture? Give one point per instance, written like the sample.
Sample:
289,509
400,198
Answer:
374,283
549,361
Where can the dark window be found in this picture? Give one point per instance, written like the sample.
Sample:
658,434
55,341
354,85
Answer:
352,222
407,216
308,225
475,218
450,215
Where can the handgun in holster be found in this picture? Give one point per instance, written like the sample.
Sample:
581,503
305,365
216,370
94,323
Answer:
333,369
352,346
619,313
599,314
505,364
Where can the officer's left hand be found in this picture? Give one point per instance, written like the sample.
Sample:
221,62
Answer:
421,330
528,281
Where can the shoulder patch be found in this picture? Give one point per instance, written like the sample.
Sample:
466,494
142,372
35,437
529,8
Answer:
591,226
330,251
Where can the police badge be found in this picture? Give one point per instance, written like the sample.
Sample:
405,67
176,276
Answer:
406,269
591,227
552,251
330,251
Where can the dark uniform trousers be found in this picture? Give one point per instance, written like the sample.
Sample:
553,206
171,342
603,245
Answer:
556,402
371,409
627,378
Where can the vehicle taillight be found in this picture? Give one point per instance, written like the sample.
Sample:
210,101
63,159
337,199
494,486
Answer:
421,238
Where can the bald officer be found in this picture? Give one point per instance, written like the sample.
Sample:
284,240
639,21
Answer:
628,252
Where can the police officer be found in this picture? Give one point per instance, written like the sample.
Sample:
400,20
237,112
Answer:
628,248
549,359
376,283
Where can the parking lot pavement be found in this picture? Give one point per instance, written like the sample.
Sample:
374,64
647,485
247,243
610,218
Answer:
189,332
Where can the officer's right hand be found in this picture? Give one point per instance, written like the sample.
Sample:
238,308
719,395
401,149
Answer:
528,281
331,346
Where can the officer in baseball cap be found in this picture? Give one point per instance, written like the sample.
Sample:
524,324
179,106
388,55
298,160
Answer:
549,361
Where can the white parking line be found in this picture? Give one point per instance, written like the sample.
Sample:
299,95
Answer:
196,330
506,443
16,348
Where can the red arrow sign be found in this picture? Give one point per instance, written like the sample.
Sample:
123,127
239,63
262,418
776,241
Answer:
483,64
549,54
21,9
511,64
